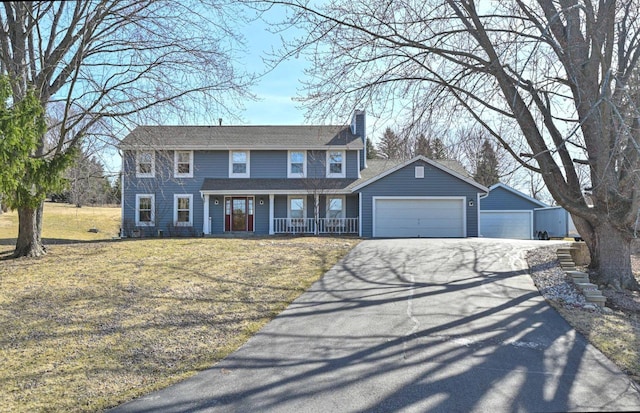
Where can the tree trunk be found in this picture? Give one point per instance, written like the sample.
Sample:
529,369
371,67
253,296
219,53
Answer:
29,243
611,258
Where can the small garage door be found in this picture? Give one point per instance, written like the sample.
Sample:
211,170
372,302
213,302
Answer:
506,224
418,217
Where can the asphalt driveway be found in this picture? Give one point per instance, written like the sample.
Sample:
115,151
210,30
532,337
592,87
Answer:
414,325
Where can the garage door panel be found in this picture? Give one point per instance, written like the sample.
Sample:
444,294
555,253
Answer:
506,224
419,218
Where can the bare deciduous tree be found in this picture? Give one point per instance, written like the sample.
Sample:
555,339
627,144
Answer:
116,62
548,80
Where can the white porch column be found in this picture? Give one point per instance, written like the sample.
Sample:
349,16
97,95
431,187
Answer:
205,223
316,213
271,214
360,214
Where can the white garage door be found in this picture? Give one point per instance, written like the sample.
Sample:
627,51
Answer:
418,217
506,224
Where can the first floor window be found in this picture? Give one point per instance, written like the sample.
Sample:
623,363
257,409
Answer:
183,210
335,208
145,214
296,207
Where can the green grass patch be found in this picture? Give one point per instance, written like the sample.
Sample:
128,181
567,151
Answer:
91,325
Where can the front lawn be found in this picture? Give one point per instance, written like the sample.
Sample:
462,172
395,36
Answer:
94,324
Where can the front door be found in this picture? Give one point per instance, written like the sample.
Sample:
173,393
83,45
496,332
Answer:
239,211
238,214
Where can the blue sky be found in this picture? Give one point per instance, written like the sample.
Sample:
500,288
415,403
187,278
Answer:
277,88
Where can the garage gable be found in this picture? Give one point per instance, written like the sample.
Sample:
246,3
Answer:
419,198
435,168
503,197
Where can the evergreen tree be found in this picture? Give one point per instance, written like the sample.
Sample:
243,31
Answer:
372,152
391,146
26,175
423,147
439,151
487,166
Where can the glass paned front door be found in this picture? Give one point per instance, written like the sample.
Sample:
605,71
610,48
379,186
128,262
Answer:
239,220
238,213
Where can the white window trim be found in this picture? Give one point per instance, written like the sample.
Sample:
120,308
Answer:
176,174
419,172
239,175
304,165
343,212
153,165
153,210
175,210
344,165
304,205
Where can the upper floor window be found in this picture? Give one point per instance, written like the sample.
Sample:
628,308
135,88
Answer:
335,164
145,164
183,210
297,167
145,210
183,164
239,164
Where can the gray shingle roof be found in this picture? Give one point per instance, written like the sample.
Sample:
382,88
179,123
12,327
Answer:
268,185
374,168
242,137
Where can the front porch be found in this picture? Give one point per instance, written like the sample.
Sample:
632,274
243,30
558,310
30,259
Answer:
270,214
315,226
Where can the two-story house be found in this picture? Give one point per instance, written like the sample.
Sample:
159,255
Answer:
209,180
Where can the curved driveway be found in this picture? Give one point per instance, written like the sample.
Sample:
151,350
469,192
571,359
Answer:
414,325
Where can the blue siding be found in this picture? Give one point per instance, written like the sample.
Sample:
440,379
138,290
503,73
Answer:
502,199
261,216
269,164
316,164
352,164
164,186
280,206
435,183
210,164
216,212
352,206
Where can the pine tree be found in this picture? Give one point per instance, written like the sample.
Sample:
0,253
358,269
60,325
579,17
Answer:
487,166
391,146
423,147
372,152
439,151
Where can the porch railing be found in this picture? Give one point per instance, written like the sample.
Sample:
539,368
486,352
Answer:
309,225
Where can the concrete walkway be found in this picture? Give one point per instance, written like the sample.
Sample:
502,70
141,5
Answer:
412,326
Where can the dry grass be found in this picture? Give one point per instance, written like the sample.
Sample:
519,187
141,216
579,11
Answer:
93,324
616,331
616,335
64,222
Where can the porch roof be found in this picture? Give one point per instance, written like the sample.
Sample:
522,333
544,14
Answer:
272,186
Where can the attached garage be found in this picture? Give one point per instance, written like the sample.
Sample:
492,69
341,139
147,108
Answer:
507,213
506,224
433,217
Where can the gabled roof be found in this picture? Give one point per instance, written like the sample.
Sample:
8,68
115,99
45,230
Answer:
518,193
460,173
242,137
